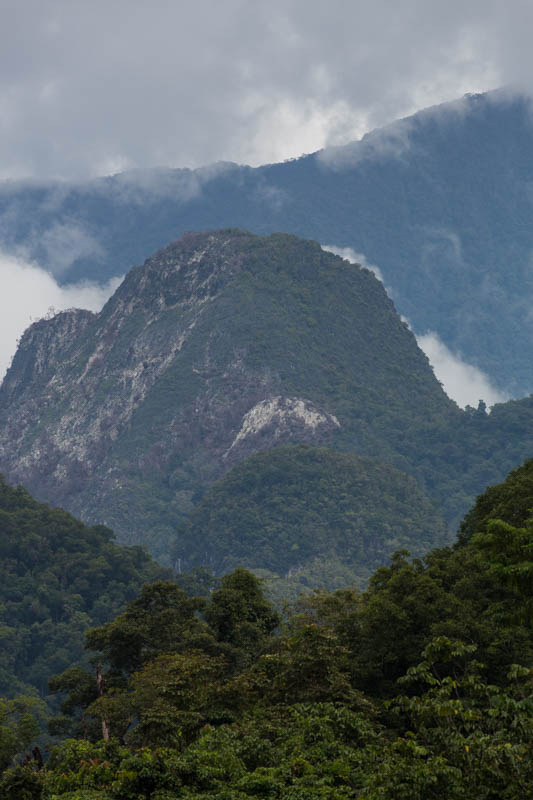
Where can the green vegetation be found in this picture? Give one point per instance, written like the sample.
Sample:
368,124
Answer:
57,578
284,320
418,688
294,509
144,407
510,501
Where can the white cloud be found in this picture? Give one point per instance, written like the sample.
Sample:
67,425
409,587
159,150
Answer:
462,382
65,242
354,257
28,293
189,83
391,141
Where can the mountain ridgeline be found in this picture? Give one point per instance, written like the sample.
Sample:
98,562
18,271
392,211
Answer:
441,202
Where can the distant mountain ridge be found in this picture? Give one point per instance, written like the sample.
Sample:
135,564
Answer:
441,202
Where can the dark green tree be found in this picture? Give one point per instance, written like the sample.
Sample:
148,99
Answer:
163,619
240,616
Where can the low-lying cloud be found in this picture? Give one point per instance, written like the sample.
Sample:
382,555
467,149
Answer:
29,293
349,254
67,241
389,142
463,382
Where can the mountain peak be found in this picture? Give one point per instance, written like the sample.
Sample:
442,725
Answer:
190,270
219,346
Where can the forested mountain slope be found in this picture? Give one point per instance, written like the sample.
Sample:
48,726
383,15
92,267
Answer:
57,578
221,345
418,688
441,202
321,517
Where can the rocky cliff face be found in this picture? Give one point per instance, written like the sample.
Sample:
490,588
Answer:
221,345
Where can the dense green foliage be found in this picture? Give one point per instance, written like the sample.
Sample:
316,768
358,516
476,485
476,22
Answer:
299,508
510,501
18,725
57,578
420,688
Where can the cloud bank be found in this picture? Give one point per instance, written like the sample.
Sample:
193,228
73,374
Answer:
65,242
462,382
189,83
29,293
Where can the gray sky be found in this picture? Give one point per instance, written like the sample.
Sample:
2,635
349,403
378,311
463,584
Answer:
96,87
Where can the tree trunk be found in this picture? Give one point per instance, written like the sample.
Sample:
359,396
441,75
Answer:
100,685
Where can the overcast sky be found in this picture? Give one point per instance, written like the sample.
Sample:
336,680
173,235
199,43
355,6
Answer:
96,87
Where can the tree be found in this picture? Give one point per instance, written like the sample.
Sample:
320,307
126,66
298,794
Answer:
173,697
162,619
461,737
240,616
19,725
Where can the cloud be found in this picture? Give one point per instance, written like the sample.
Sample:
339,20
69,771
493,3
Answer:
185,84
29,293
462,382
351,255
391,141
141,186
65,242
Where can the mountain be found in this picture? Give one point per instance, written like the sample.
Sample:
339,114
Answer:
441,202
222,345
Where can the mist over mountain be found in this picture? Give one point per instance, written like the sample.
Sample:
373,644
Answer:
440,202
